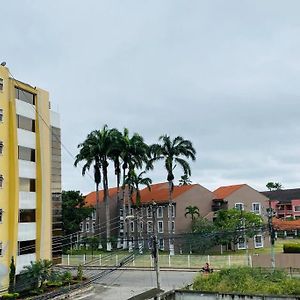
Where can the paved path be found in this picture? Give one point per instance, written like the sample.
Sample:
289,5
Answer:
123,284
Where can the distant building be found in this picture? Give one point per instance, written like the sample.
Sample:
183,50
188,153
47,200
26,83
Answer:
30,176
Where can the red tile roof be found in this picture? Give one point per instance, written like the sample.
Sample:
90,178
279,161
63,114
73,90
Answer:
286,225
224,191
160,192
90,198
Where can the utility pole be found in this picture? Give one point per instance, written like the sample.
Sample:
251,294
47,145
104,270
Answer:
155,245
272,234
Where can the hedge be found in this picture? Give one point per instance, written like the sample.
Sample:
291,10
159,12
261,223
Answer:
291,248
10,296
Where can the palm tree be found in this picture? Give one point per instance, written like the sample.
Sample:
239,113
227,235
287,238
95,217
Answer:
135,152
172,152
99,147
193,211
184,180
134,181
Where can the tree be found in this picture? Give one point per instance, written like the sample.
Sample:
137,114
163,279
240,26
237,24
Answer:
74,211
134,154
12,276
98,148
192,211
185,180
172,152
274,186
134,181
38,272
233,224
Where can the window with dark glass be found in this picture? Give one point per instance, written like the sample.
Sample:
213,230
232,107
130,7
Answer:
25,123
1,213
1,115
1,147
25,153
25,96
1,181
1,84
27,185
27,216
26,247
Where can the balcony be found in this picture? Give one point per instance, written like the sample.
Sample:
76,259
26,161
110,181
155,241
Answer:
24,260
27,200
218,205
27,169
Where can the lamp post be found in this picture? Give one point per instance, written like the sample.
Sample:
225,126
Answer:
272,234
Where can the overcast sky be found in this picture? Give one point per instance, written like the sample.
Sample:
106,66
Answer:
224,74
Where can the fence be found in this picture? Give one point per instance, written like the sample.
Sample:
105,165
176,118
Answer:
165,261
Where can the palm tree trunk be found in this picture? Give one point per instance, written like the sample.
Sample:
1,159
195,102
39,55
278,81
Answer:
129,227
107,213
124,213
139,223
98,229
171,242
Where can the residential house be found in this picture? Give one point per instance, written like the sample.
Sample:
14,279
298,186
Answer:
244,198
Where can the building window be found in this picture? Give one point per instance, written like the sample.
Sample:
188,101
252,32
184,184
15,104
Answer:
160,226
1,213
141,226
1,249
81,227
131,226
94,215
161,244
149,212
241,243
160,212
239,206
87,227
1,84
149,226
1,115
173,226
1,181
25,153
297,208
25,96
27,216
258,241
26,247
94,226
1,147
256,208
121,212
172,208
27,185
131,211
25,123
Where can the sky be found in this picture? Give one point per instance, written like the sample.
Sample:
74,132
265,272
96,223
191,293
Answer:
221,73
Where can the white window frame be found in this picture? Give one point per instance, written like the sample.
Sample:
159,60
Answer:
295,208
173,226
258,212
160,224
160,212
172,210
239,204
81,227
161,246
87,227
260,245
93,226
149,212
1,147
244,244
93,215
149,226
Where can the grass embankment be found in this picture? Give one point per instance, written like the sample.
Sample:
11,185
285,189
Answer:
246,280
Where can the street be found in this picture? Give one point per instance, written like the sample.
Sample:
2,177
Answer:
123,284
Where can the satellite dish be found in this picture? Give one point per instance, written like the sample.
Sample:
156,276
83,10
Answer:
3,64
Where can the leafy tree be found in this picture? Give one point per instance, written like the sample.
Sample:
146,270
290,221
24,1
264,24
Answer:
185,180
233,224
38,272
172,152
274,186
12,276
74,211
192,211
99,148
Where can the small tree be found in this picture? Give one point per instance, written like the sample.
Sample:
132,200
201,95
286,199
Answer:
79,272
274,186
192,211
12,276
185,180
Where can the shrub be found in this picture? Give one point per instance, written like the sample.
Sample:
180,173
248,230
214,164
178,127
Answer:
291,248
10,296
79,273
66,277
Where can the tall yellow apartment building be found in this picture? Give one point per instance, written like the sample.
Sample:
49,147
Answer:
30,176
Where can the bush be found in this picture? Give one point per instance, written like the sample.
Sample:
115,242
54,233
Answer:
248,281
10,296
66,277
291,248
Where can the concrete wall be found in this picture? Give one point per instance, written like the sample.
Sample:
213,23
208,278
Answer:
282,260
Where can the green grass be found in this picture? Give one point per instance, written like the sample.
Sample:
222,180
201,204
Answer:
246,280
